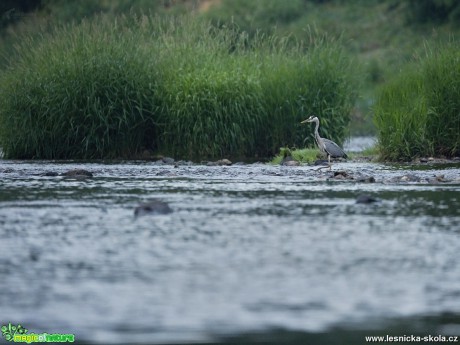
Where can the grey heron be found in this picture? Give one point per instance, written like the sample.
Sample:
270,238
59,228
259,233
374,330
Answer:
326,146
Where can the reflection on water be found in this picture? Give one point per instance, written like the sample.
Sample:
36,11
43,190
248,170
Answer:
250,252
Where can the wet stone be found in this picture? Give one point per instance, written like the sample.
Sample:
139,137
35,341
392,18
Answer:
290,162
407,178
438,179
321,162
224,161
184,163
50,173
220,162
366,179
365,199
342,175
153,207
78,173
167,160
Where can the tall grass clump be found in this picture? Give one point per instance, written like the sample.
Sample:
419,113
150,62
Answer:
209,95
177,86
321,81
82,91
417,113
245,96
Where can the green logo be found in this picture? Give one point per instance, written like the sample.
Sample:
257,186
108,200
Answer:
9,331
18,334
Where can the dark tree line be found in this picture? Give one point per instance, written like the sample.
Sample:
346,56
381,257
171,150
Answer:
437,11
417,11
12,10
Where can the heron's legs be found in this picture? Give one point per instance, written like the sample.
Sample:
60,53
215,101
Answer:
323,168
329,165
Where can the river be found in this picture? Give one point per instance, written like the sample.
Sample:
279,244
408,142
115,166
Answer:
250,252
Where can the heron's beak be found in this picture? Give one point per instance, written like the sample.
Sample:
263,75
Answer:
305,121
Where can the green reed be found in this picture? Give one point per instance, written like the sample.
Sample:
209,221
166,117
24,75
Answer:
417,113
115,86
79,92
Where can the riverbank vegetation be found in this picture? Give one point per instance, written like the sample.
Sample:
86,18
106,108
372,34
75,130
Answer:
307,156
417,113
179,86
201,79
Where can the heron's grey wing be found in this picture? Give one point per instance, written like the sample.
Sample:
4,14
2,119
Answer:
333,149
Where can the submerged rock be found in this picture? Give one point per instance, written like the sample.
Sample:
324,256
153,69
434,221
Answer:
441,178
78,173
366,179
224,161
341,175
349,176
168,160
406,178
321,162
292,163
153,207
289,161
438,179
50,173
365,199
220,162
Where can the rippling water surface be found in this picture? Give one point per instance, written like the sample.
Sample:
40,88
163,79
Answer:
250,252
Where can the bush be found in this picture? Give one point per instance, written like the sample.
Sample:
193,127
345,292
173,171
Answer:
251,101
80,92
417,113
112,88
295,85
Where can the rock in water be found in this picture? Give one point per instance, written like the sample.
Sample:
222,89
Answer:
78,173
153,207
365,199
321,162
292,163
168,160
224,161
289,161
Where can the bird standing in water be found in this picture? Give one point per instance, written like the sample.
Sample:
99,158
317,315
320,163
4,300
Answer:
326,146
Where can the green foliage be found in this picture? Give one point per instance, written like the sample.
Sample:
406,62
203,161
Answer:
370,151
251,101
442,92
322,83
80,92
303,155
108,88
416,114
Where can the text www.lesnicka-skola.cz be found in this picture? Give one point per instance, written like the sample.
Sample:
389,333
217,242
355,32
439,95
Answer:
412,338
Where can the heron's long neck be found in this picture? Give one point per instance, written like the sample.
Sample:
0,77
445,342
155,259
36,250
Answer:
317,137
